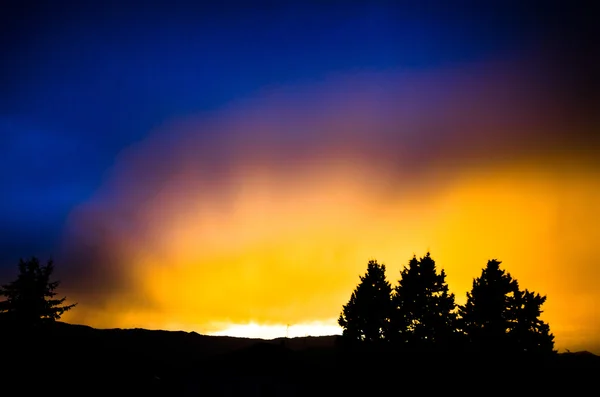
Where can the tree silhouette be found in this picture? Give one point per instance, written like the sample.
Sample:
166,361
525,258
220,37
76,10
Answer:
365,318
30,299
529,333
424,315
498,317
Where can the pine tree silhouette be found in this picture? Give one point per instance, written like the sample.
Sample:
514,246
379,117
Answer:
500,318
30,299
424,315
365,318
529,333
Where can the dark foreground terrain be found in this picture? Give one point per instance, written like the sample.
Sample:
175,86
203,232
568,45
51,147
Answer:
82,361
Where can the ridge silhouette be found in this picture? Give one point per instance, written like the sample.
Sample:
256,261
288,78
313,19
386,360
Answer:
410,332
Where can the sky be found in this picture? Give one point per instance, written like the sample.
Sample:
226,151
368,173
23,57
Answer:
231,169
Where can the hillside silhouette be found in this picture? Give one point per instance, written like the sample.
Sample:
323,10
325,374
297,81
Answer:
79,360
395,338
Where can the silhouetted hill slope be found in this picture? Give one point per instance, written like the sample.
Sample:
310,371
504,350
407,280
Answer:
80,360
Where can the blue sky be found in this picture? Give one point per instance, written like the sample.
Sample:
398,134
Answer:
82,81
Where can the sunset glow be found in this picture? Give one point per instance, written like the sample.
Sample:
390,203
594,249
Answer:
268,197
268,228
253,330
288,275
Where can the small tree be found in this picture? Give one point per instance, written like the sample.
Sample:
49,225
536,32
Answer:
365,318
424,315
30,299
499,317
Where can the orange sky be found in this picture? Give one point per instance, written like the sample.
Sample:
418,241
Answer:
267,211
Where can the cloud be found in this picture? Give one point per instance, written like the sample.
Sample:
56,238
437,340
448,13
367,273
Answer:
267,209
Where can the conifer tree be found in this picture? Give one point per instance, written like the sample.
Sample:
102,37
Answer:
30,299
424,315
528,332
499,317
365,318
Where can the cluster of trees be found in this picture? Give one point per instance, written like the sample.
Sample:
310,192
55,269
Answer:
420,313
30,300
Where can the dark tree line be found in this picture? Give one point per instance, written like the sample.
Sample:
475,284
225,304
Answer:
420,313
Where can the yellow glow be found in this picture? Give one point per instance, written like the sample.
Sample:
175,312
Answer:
289,252
267,211
253,330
